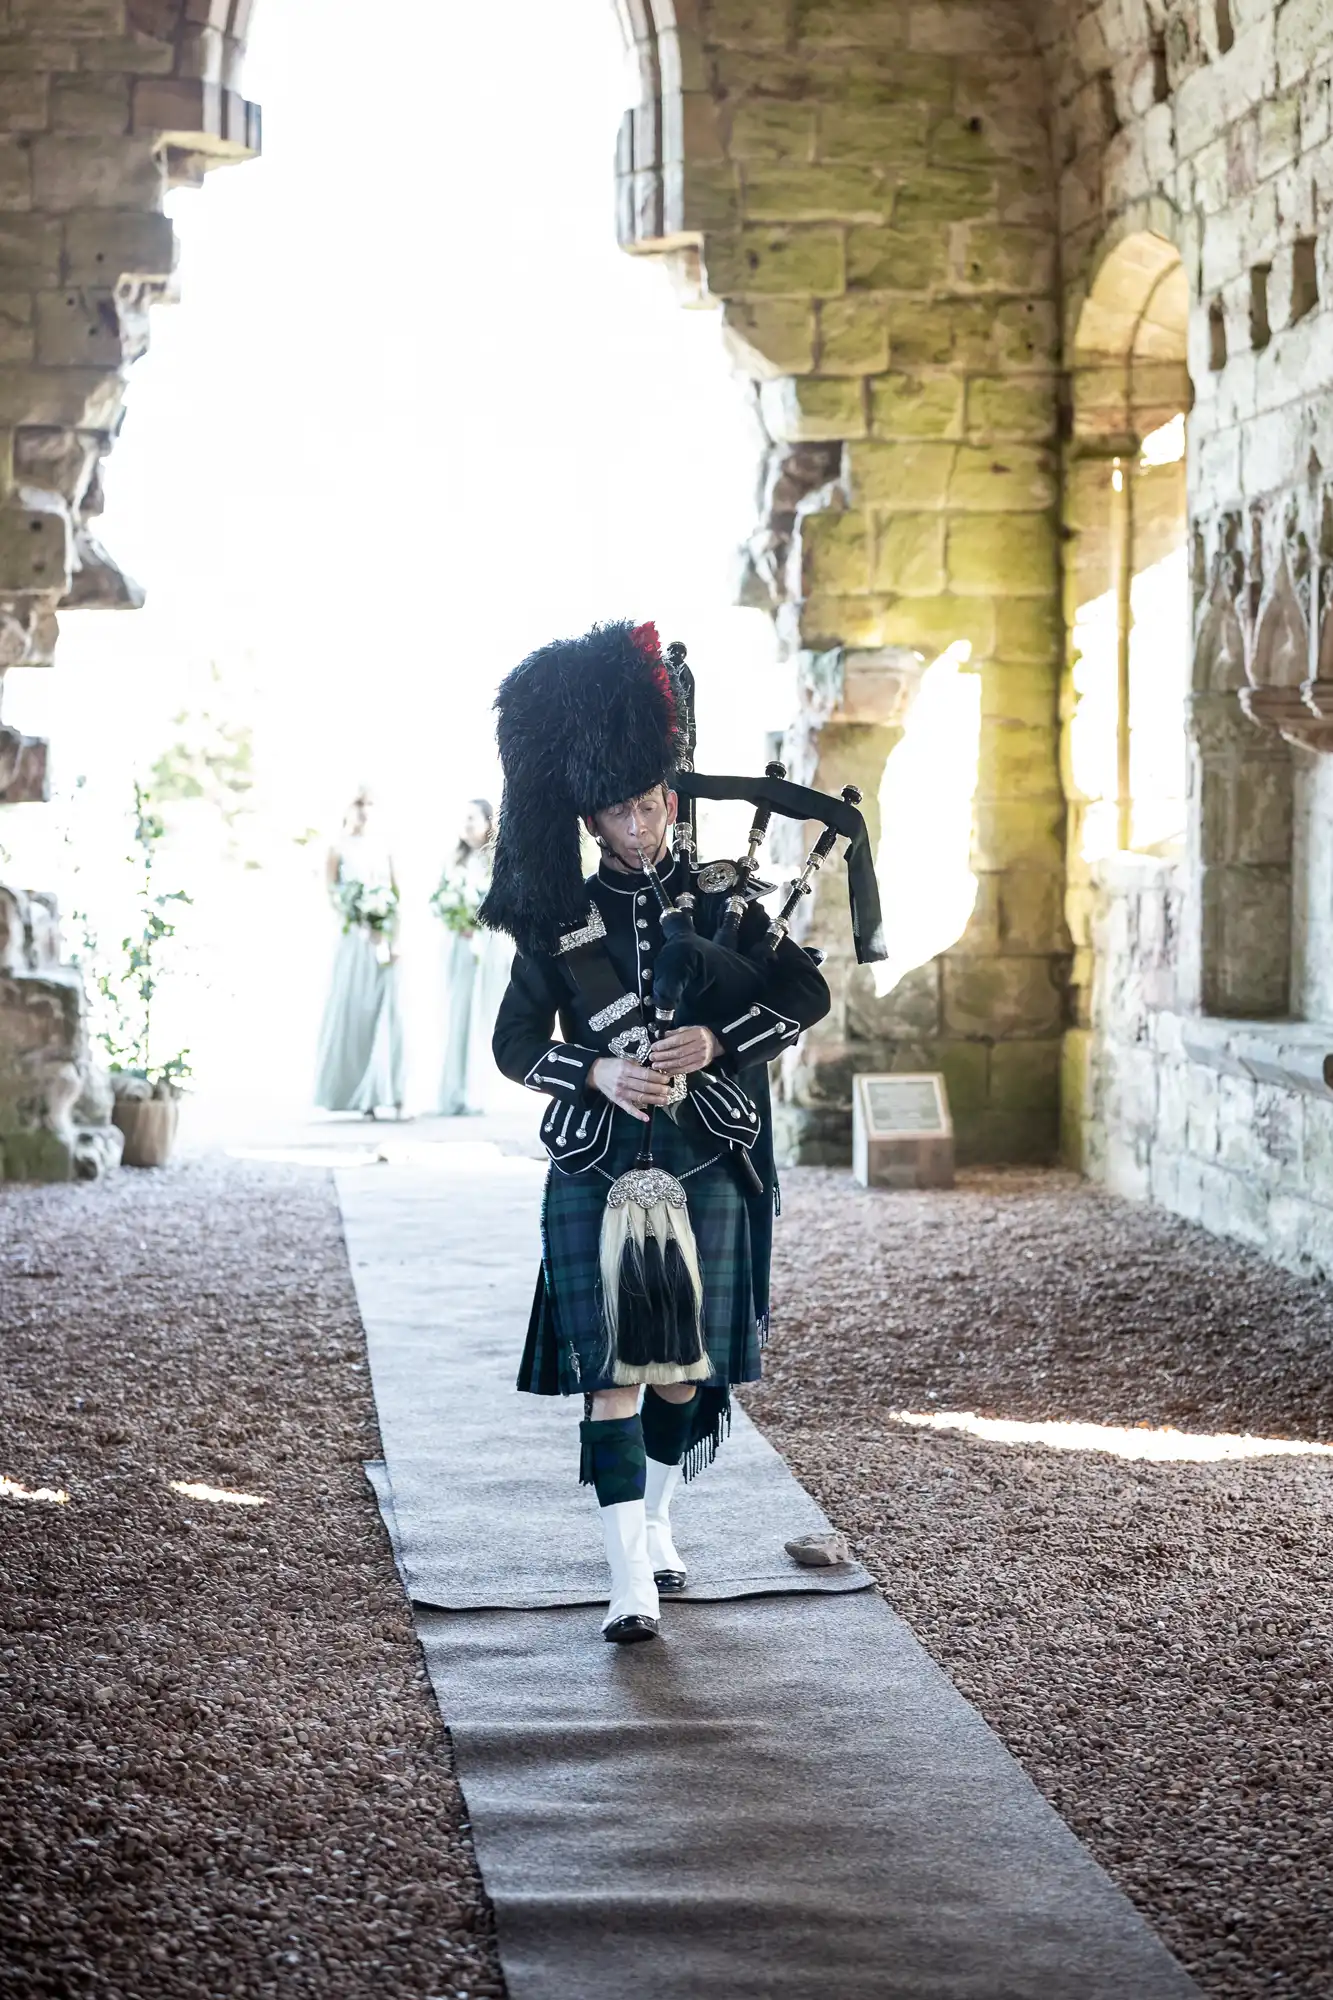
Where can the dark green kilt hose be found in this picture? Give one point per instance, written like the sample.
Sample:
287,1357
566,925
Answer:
565,1353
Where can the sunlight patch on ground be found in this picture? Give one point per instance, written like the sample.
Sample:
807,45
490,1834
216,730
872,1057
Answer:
924,861
1121,1441
10,1489
310,1156
219,1496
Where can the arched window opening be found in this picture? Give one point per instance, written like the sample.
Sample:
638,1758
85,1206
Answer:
1128,608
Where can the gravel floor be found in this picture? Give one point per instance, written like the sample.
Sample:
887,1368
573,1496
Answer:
222,1772
221,1769
1153,1642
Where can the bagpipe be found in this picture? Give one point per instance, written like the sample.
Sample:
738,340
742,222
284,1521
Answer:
652,1285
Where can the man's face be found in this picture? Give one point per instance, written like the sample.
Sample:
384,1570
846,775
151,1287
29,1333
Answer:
637,827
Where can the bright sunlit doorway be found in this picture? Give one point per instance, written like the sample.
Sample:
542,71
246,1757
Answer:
414,414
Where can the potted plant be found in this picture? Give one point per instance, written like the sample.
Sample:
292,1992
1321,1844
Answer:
146,1088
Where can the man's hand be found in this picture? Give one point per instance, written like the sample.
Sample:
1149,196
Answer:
629,1085
685,1050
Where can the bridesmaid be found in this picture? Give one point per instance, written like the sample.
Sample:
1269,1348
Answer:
360,1065
476,967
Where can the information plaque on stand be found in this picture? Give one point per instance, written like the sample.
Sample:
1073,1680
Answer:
902,1134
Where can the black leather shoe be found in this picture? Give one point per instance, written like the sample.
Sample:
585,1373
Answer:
631,1630
669,1580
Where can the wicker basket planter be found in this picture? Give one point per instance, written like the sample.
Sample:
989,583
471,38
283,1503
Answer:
149,1125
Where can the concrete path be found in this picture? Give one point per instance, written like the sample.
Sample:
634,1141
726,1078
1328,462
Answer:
783,1797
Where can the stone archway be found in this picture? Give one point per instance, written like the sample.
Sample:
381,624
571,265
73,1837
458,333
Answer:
108,104
866,195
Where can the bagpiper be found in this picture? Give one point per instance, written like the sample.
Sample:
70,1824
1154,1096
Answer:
645,1002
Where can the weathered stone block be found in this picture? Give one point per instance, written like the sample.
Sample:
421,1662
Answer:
817,193
1012,833
1002,555
29,251
78,329
958,29
1018,691
36,1154
1016,759
1025,1078
90,104
910,1012
849,24
966,1070
940,195
890,135
1003,257
77,172
835,553
770,337
931,623
1009,409
853,337
915,406
1031,913
712,196
827,621
68,17
744,24
15,172
35,544
18,337
1279,121
904,477
1026,332
1317,1148
24,103
102,249
930,333
813,408
81,398
896,260
31,54
1004,479
909,555
765,128
774,261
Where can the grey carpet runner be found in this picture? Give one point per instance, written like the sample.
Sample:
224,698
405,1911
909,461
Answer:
784,1796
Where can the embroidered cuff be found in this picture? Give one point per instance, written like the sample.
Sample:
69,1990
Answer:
724,1108
562,1071
757,1035
576,1133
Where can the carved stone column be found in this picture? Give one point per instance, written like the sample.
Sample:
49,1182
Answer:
864,191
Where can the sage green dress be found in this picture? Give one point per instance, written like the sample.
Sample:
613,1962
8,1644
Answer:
475,974
360,1065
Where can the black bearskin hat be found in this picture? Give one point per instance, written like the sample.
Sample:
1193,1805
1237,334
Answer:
583,723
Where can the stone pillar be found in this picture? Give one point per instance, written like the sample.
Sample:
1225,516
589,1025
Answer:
865,189
104,105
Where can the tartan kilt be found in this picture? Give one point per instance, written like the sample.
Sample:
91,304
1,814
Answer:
565,1348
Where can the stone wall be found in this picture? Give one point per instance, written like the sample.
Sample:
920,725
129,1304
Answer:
1195,1073
104,105
970,259
866,191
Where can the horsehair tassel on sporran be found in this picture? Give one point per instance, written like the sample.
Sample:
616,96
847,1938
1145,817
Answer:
652,1286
